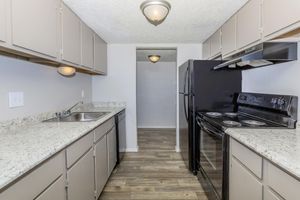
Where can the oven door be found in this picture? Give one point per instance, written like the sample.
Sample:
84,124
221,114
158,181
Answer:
213,158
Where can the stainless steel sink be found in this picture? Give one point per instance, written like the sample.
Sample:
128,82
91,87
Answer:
79,117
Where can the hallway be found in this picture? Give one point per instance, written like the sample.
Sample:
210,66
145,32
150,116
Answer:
155,172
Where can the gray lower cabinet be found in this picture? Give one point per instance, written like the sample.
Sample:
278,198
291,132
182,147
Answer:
55,191
80,178
112,147
243,184
42,183
101,165
71,36
35,25
3,19
251,177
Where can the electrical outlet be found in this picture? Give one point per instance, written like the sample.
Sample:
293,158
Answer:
15,99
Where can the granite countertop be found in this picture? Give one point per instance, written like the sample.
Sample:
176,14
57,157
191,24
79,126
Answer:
280,146
24,147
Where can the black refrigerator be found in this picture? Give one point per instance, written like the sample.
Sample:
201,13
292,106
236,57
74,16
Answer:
202,89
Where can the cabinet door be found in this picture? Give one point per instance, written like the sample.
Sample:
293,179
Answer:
81,178
278,14
55,191
35,25
215,43
206,49
3,19
112,150
248,24
101,165
229,36
100,57
269,195
243,185
71,36
87,46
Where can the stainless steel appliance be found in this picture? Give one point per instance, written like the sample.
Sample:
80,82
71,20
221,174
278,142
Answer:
120,120
202,89
253,111
264,54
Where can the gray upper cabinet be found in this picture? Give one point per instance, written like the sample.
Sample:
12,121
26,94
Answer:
215,44
248,24
87,46
80,178
206,49
229,36
100,54
71,36
112,150
3,19
278,15
35,25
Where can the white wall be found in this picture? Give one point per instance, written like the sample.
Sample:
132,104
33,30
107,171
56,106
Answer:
274,79
44,89
120,84
156,94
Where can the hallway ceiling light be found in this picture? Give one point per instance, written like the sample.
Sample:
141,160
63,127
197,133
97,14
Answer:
66,70
154,58
155,11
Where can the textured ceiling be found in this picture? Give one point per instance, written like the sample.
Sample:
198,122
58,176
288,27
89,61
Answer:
166,55
121,21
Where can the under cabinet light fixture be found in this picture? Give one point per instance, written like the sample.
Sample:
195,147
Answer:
66,70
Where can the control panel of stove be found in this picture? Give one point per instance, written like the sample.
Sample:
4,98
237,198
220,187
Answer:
277,102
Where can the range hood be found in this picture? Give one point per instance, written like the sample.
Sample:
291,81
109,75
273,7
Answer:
267,53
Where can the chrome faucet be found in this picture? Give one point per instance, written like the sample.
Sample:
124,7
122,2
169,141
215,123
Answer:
67,112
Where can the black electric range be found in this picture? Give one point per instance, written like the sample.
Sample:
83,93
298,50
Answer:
252,110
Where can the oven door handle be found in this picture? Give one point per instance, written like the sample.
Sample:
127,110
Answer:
212,133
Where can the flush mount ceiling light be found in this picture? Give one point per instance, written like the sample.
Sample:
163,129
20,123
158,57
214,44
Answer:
66,70
155,11
154,58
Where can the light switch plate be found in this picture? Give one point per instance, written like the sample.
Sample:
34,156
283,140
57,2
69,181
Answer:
16,99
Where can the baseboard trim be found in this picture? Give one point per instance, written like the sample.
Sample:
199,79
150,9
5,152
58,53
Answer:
132,150
156,127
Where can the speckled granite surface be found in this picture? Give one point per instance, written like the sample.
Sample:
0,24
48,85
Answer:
280,146
26,143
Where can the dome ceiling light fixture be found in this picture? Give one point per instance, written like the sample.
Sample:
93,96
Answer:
154,58
155,11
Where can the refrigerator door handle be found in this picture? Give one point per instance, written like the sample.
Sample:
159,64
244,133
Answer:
184,106
185,94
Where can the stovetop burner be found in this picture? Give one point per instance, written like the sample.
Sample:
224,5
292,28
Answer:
214,114
253,123
231,114
232,123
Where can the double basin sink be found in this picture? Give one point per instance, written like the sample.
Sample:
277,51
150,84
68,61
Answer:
79,117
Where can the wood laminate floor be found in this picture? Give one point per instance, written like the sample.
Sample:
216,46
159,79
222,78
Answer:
155,172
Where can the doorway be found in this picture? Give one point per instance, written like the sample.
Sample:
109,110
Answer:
156,99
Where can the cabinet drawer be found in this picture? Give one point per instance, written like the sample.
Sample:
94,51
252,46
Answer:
55,191
29,187
104,128
76,150
284,184
250,159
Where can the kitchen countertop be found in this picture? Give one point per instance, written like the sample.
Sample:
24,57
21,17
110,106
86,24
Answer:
24,147
280,146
